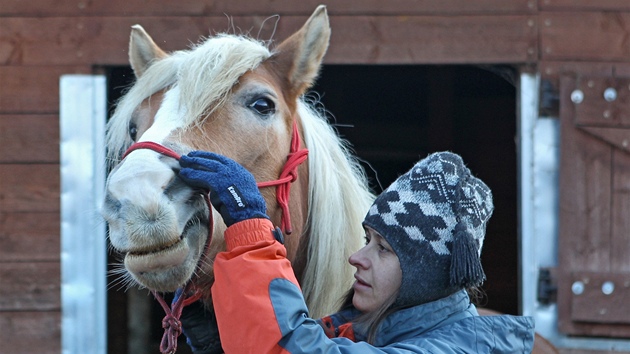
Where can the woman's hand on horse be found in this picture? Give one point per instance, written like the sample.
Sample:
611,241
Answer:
233,189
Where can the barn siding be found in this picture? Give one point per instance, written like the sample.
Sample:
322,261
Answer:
42,39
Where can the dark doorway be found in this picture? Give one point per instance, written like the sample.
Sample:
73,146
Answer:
393,116
396,115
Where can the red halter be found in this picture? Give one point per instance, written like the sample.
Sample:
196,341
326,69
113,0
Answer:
171,323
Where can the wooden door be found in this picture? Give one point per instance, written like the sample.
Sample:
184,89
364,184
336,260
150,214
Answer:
594,240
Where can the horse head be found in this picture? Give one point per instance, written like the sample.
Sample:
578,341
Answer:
234,96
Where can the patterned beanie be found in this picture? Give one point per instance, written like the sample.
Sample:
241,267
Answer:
434,217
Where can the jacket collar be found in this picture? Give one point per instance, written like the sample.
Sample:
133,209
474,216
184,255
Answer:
419,319
413,320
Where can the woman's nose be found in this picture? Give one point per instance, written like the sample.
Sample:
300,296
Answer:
358,259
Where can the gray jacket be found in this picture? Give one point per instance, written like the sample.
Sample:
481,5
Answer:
448,325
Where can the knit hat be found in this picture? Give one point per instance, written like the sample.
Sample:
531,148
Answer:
434,217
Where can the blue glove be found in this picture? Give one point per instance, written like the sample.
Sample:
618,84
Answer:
200,328
233,189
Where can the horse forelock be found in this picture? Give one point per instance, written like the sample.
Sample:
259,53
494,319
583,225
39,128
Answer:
205,75
213,68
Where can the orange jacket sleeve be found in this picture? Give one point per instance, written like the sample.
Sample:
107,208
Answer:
243,273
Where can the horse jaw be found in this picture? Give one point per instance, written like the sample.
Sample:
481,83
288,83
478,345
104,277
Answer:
142,50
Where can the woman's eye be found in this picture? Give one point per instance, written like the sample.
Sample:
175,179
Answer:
367,239
133,132
264,106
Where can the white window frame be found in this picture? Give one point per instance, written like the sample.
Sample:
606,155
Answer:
82,116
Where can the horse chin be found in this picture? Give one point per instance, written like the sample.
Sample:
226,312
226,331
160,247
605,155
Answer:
171,267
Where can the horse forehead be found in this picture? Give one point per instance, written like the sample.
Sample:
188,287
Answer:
168,118
262,75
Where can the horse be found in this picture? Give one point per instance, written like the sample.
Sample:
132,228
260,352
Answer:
232,95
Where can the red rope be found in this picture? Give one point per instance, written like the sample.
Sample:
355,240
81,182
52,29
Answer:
152,146
288,175
171,323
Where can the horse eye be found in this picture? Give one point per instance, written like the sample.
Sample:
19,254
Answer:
263,106
133,132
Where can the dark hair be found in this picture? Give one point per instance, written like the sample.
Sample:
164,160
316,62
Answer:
368,322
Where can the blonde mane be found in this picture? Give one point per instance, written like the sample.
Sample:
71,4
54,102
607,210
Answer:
339,198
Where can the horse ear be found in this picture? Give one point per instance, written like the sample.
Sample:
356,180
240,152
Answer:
142,50
302,53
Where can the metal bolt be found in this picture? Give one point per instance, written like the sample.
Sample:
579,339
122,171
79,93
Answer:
608,288
577,96
607,114
610,94
577,288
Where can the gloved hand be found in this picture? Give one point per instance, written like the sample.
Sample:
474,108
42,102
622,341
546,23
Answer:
233,189
200,328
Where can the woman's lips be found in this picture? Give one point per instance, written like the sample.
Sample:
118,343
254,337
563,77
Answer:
360,283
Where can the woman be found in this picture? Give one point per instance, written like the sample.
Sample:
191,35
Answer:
424,236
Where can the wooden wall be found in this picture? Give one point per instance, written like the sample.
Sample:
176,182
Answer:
43,39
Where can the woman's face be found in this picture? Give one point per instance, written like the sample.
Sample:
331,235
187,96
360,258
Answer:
378,276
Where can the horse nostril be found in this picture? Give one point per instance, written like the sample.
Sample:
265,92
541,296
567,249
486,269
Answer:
112,203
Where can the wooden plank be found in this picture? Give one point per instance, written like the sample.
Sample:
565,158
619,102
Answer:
551,71
620,247
30,286
355,39
577,36
617,137
33,89
595,109
588,5
29,237
433,40
585,179
554,69
29,138
31,332
54,8
29,188
604,298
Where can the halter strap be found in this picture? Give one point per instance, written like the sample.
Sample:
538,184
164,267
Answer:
288,175
171,322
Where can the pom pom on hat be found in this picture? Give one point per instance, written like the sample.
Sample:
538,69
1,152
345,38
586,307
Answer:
434,217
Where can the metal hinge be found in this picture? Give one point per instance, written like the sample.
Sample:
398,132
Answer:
547,286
